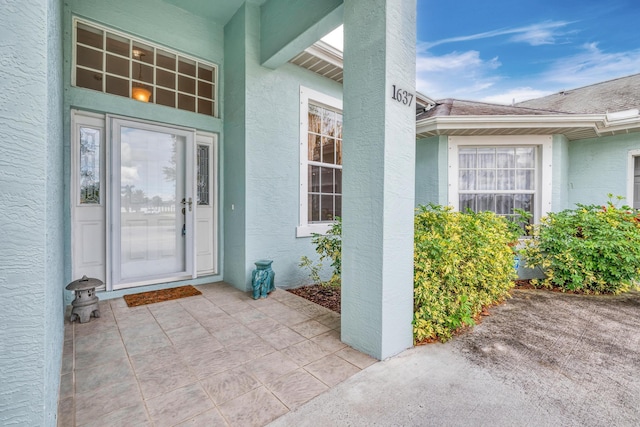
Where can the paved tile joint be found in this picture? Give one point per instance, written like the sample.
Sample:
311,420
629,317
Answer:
221,358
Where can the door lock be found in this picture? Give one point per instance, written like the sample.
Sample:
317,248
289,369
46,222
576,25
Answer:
189,202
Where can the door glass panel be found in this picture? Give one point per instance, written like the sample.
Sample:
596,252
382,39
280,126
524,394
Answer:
152,189
202,179
89,166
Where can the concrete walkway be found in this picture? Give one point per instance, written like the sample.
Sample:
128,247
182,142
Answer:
218,359
541,359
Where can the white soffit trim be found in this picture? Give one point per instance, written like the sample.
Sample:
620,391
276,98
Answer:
551,123
577,126
323,59
327,53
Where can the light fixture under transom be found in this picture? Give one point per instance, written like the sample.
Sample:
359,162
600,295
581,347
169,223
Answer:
138,90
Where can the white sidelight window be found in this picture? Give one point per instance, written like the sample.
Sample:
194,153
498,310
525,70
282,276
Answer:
500,174
320,161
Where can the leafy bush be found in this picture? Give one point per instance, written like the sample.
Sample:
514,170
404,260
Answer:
328,246
462,263
593,249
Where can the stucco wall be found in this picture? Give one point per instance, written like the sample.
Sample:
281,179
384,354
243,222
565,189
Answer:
598,167
234,153
271,163
560,174
431,170
31,253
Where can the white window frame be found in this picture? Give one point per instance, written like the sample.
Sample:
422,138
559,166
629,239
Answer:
543,192
304,229
632,154
132,80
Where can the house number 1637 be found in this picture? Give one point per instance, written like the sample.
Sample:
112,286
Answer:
401,95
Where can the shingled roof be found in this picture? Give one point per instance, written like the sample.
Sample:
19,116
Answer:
458,107
610,96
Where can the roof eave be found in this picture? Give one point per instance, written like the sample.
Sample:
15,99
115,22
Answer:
573,126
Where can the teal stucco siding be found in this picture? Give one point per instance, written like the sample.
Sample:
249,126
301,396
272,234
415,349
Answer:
431,171
598,167
560,174
262,157
31,215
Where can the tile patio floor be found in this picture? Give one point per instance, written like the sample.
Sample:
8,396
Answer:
216,359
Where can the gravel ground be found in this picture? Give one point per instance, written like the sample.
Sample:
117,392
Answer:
578,354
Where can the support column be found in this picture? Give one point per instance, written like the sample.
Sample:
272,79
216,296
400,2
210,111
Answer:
379,175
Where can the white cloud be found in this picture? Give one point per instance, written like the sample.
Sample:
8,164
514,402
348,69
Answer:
591,65
535,35
465,75
518,94
455,75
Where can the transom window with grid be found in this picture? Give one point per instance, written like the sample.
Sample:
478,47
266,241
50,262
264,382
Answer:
324,164
498,179
115,63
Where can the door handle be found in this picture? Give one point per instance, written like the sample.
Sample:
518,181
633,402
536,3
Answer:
187,202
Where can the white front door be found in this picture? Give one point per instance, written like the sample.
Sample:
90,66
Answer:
130,181
152,203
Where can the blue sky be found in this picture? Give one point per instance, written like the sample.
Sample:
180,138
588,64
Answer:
499,50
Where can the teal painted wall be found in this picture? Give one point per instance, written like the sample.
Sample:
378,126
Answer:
560,173
55,192
263,141
235,150
431,170
598,167
31,217
190,34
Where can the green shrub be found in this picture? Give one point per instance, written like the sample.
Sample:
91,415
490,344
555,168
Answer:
462,263
328,246
593,248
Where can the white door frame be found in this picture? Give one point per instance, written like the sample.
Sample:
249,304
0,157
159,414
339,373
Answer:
114,125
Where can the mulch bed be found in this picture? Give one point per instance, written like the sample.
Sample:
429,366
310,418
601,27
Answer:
325,296
526,284
329,297
151,297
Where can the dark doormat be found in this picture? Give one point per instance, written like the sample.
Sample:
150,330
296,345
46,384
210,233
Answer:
151,297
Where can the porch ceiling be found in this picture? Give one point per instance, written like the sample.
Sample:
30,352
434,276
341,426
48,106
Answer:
321,59
219,11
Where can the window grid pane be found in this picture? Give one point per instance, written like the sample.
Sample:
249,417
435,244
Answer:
325,164
108,62
499,179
